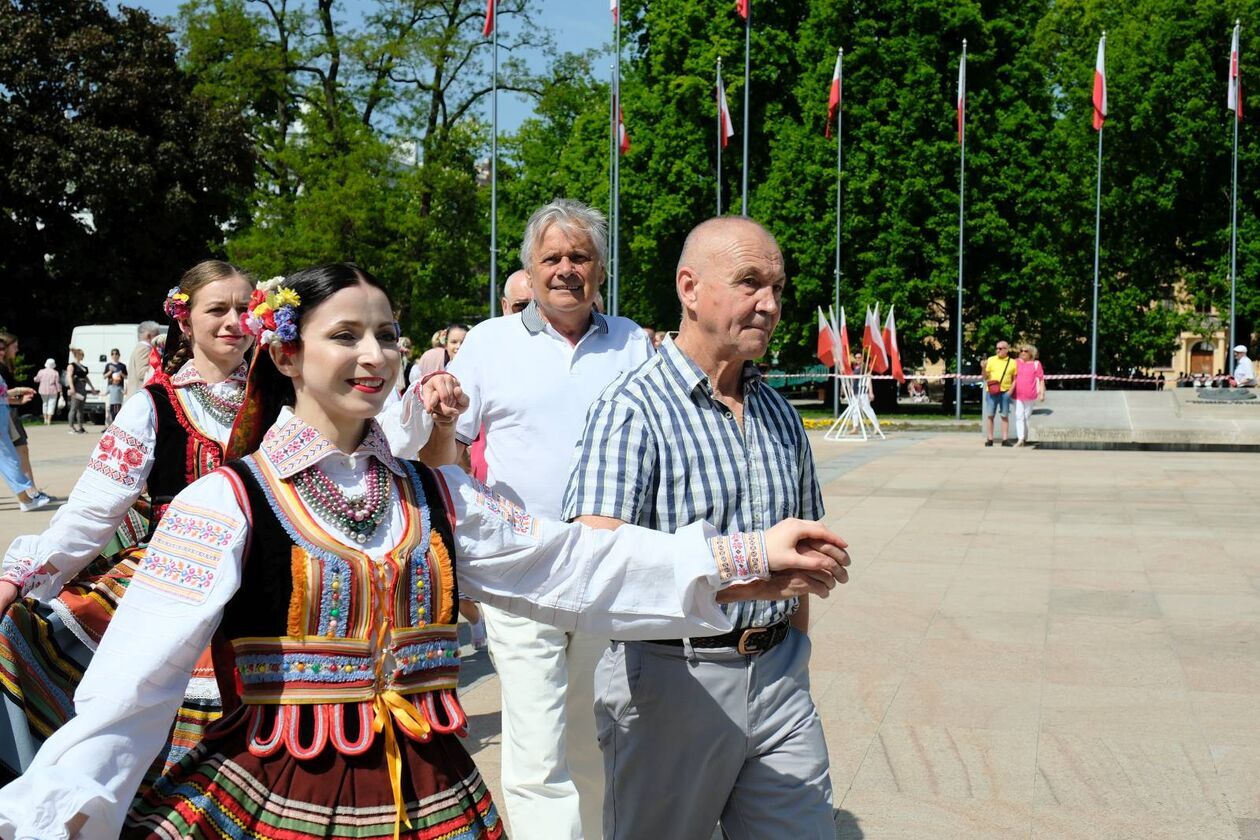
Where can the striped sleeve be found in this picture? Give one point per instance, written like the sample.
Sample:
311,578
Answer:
614,464
811,492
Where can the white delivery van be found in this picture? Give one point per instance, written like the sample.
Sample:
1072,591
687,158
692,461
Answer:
96,340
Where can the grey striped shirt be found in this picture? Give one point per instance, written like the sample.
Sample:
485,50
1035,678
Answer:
660,452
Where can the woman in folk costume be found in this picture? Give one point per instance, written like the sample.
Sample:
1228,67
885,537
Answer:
322,570
70,577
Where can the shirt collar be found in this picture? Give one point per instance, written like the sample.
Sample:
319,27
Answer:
292,445
534,321
689,375
188,375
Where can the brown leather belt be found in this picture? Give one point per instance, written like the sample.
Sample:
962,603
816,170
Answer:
748,641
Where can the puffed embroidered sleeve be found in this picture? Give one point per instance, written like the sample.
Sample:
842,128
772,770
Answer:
124,707
404,421
631,583
40,564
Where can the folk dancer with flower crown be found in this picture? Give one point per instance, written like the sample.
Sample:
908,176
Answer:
60,589
325,571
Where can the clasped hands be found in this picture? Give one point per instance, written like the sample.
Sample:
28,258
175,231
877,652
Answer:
806,558
443,398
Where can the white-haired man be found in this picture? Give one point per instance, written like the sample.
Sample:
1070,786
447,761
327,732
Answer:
530,378
517,293
1244,370
138,368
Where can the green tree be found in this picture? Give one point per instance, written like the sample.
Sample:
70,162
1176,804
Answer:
117,175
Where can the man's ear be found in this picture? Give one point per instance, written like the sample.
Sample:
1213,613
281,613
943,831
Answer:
686,284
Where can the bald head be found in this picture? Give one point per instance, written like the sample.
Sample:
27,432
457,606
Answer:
730,282
517,293
716,234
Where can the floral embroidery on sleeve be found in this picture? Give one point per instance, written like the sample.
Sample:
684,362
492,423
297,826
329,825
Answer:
183,558
119,457
23,574
507,510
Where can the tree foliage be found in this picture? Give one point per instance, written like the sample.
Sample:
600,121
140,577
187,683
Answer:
116,175
1030,173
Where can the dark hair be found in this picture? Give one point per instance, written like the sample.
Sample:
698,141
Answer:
313,286
178,348
455,325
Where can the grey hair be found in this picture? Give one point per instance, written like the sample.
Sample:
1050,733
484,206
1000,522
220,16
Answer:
571,217
148,327
1031,348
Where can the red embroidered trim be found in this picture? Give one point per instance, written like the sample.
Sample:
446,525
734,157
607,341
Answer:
193,470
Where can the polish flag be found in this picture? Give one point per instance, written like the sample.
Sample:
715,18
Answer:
1100,87
614,8
623,136
833,98
741,6
890,342
873,340
842,331
489,25
1234,99
724,115
962,93
826,341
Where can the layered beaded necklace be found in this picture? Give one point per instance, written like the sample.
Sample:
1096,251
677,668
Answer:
222,407
355,516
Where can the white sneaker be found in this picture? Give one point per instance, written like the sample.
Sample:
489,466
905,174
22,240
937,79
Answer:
37,501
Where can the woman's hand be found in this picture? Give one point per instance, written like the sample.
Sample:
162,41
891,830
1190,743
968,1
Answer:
805,558
442,396
8,594
21,396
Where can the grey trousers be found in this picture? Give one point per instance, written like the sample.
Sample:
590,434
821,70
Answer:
692,738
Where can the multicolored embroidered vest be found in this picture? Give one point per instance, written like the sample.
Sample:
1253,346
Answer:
328,641
183,453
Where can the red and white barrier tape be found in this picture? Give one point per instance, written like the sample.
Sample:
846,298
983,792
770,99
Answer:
965,377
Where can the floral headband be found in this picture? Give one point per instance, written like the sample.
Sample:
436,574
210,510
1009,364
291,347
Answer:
273,313
176,305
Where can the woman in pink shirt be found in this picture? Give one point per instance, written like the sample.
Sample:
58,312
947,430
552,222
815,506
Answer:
1030,387
49,382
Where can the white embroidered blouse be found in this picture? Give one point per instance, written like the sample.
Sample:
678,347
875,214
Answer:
41,564
629,583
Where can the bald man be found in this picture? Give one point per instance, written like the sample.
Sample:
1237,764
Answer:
517,293
695,434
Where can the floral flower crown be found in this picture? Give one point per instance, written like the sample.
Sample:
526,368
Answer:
273,313
176,305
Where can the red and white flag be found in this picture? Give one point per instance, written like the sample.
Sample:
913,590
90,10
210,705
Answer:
890,344
826,341
724,114
741,6
1234,98
873,340
842,334
833,98
489,25
962,93
1100,86
623,136
614,7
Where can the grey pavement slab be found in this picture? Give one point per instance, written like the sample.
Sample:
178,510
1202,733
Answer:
1034,644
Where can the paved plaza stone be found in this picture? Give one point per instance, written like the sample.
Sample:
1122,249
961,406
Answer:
1034,644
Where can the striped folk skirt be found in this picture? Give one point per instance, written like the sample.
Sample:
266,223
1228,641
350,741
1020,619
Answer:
222,790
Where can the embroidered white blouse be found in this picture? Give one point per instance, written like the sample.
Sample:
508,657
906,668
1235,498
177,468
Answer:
41,564
629,583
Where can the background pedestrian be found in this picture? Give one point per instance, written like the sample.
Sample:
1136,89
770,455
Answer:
48,381
1029,388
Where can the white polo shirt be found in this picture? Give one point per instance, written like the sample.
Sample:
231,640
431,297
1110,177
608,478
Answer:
530,389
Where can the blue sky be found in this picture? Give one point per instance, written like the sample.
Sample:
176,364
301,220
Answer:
576,24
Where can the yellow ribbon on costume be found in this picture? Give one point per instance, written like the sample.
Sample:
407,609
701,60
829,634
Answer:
391,704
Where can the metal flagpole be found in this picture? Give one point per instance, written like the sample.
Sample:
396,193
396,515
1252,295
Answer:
612,153
839,169
1093,331
494,166
614,303
720,135
962,169
747,42
1233,212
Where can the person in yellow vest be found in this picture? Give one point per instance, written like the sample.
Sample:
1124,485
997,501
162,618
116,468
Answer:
999,379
